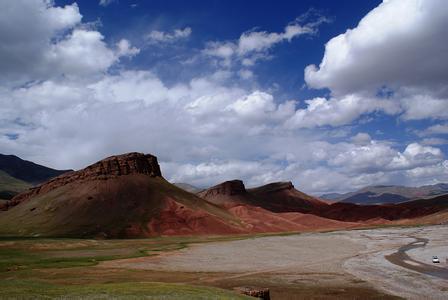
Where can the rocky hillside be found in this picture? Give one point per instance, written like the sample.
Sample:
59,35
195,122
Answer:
275,197
120,196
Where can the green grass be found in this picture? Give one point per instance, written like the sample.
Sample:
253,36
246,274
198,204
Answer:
33,289
9,183
21,254
23,261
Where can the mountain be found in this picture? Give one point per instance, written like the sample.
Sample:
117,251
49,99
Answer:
120,196
350,212
27,171
276,197
383,194
10,186
275,207
282,200
16,175
188,187
283,197
331,196
125,196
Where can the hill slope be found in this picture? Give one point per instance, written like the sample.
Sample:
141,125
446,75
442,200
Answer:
27,171
10,186
188,187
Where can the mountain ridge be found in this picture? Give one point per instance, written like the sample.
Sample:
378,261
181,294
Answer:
383,194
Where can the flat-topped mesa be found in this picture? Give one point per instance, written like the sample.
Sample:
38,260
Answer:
275,187
229,188
111,167
125,164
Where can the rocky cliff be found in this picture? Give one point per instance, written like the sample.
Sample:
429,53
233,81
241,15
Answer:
229,188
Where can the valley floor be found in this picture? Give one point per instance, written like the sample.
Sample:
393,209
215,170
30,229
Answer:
384,263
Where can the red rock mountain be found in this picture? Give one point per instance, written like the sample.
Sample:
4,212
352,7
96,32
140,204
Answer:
111,167
120,196
275,197
126,196
285,201
272,207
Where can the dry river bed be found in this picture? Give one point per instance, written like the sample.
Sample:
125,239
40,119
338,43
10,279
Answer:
393,261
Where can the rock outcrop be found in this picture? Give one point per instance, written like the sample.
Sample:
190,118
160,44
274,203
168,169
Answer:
229,188
260,293
277,186
111,167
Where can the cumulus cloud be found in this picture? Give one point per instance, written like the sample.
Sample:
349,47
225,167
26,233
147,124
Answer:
416,155
438,129
387,49
431,174
124,48
337,111
42,41
361,138
406,56
156,37
434,141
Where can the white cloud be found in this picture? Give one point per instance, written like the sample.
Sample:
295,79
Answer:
406,56
336,111
41,41
254,45
438,129
260,106
434,141
124,48
246,74
258,41
416,155
387,49
66,55
106,2
156,36
361,138
432,174
423,106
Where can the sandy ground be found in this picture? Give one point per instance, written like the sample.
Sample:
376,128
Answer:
343,258
411,277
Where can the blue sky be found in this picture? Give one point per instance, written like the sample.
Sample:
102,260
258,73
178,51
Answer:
332,95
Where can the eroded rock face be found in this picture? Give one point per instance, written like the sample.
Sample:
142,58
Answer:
130,163
230,188
278,186
260,293
111,167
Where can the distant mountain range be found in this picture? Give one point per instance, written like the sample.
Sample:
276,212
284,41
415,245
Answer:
188,187
17,175
384,194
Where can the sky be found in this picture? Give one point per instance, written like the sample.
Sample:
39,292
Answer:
331,95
